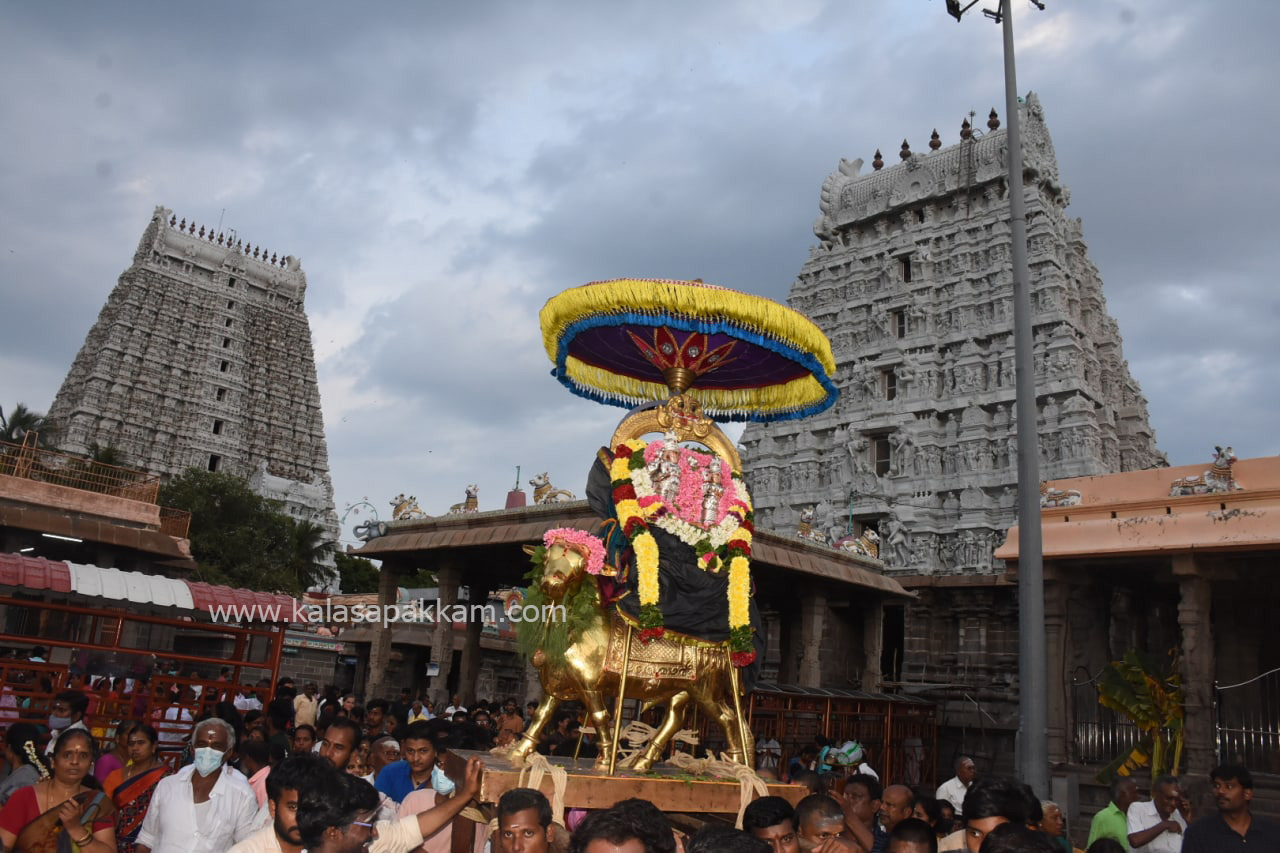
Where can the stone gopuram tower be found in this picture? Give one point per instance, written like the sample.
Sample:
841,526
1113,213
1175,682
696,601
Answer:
202,358
912,281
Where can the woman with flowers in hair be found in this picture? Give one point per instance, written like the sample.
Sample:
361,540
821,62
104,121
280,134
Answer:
22,753
60,813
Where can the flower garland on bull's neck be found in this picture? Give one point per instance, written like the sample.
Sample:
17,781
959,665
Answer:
728,542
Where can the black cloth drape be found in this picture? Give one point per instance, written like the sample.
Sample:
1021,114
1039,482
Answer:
693,601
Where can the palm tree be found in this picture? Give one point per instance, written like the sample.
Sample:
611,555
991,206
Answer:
308,547
21,421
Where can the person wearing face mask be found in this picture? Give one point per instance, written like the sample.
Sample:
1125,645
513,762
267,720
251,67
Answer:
207,806
345,821
67,712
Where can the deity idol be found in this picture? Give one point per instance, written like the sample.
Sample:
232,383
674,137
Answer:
712,491
664,471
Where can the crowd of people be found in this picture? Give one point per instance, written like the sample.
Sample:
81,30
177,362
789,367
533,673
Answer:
297,770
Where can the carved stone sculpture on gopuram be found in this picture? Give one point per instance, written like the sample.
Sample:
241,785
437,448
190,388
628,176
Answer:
911,280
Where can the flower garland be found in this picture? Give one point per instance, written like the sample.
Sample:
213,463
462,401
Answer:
728,542
589,546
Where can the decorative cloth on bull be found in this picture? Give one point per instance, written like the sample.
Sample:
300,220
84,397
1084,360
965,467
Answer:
626,342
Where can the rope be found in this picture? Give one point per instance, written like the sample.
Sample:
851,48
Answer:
750,785
537,766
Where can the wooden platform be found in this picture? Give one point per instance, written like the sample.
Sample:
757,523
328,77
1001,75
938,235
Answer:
668,788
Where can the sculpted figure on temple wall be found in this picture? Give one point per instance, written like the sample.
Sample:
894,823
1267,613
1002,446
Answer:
893,544
903,452
870,379
906,374
857,448
947,551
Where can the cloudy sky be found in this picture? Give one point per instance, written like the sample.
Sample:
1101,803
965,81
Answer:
443,168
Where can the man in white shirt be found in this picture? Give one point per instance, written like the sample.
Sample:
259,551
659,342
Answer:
455,705
66,713
954,789
345,824
172,722
206,807
278,820
247,700
1157,826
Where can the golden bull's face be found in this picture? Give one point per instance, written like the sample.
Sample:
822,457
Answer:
561,569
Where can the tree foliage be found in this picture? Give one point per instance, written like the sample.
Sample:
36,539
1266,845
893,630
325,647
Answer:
239,538
20,420
356,574
1148,692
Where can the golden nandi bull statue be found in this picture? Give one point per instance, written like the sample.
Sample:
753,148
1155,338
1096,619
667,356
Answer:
590,667
670,618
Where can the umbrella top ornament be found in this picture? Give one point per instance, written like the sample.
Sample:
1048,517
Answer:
627,342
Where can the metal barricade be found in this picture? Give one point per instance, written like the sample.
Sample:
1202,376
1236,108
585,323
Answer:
1247,722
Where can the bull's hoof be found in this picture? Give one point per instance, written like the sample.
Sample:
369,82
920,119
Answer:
642,763
514,754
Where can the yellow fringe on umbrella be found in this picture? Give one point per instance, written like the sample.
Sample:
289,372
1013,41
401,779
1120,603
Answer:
688,299
792,395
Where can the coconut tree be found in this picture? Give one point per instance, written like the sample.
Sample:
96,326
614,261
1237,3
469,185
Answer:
20,421
308,548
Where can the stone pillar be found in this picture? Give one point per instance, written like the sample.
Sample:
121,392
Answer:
532,689
1194,609
813,611
1056,647
469,666
448,578
380,647
872,646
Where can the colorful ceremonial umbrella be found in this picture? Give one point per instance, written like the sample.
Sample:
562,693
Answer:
629,341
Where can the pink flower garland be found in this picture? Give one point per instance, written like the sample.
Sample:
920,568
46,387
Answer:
581,539
693,466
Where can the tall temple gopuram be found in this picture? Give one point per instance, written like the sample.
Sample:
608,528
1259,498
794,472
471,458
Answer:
202,358
912,281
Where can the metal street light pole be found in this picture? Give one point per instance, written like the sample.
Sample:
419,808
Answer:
1033,694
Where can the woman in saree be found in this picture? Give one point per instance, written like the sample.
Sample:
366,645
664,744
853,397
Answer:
60,814
131,787
109,762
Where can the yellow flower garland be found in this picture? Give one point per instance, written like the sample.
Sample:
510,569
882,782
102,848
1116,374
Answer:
739,592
